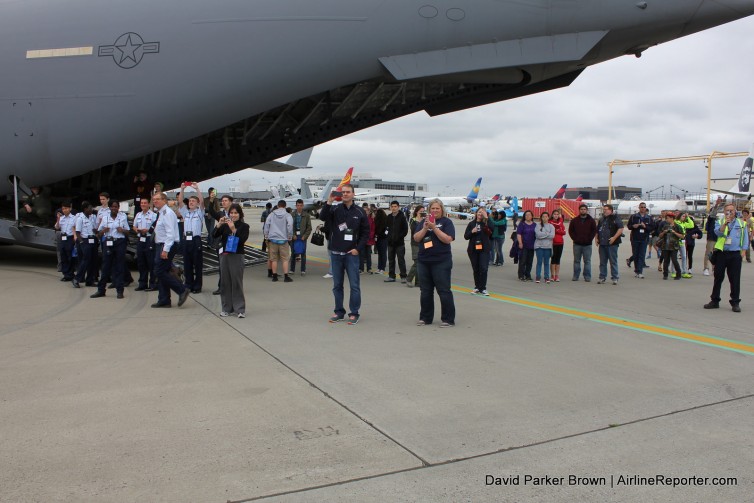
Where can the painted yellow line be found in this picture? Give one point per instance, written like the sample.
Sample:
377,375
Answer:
704,339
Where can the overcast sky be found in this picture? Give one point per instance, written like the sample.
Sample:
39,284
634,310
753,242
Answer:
686,97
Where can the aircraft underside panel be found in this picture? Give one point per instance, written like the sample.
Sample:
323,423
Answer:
294,127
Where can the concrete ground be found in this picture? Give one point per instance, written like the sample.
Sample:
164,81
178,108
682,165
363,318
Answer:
109,400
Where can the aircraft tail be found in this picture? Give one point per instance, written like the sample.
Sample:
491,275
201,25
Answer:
474,190
580,198
561,192
326,191
305,192
744,180
275,192
347,178
301,159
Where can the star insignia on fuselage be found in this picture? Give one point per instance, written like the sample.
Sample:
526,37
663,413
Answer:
128,50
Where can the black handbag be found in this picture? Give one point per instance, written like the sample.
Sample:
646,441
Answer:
318,238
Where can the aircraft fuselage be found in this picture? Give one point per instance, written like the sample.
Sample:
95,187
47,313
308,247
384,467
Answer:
87,84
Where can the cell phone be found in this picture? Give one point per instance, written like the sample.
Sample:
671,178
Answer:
187,184
431,218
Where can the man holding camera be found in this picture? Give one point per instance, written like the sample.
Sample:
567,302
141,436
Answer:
193,217
732,242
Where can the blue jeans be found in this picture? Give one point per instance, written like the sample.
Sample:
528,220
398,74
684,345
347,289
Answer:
497,249
639,249
585,252
436,276
609,253
684,258
341,265
543,260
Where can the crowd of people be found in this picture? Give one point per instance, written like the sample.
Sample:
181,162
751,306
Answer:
92,247
92,244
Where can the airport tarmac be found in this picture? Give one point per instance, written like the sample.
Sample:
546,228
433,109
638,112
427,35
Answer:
571,391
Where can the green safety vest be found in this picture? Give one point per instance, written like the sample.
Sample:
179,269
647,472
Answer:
721,240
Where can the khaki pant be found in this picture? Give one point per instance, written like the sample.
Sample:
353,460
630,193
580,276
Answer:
708,249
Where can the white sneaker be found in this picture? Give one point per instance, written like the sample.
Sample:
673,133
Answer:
224,314
242,315
640,276
328,275
485,293
706,272
303,273
474,291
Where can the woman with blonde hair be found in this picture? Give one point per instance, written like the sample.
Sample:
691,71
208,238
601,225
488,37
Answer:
435,261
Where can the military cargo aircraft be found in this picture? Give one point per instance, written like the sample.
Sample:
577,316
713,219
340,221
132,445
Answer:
91,92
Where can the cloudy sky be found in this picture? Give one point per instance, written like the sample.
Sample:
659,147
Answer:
686,97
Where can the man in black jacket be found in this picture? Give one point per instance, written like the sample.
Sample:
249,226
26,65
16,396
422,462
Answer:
395,232
349,229
641,226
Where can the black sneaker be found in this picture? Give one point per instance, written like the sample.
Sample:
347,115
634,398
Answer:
335,319
712,305
97,295
274,277
736,308
287,279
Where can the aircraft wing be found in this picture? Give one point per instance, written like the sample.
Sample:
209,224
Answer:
495,55
731,193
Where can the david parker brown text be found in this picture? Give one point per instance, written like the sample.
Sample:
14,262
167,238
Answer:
613,481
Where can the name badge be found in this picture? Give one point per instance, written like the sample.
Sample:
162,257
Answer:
221,250
348,237
343,227
189,234
298,233
138,199
386,232
109,242
428,245
91,241
728,241
478,246
641,231
64,237
143,239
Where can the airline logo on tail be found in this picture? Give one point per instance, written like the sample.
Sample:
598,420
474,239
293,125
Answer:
744,181
346,179
475,190
561,192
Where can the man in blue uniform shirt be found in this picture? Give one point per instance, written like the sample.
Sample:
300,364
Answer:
66,224
732,243
143,228
166,243
193,216
112,229
86,242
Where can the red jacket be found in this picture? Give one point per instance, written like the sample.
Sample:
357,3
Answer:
560,231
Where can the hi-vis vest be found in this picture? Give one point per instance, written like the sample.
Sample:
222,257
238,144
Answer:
720,243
